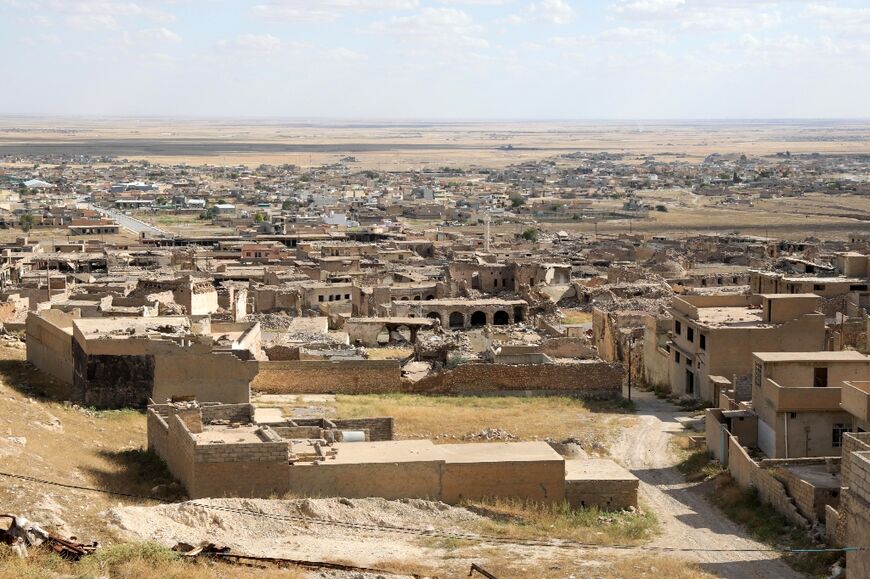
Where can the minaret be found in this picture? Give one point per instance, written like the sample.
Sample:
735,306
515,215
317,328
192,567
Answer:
486,232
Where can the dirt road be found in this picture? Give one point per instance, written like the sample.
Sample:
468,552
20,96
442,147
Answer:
687,519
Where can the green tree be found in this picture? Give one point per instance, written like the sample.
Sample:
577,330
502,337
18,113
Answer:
259,218
517,201
530,234
26,222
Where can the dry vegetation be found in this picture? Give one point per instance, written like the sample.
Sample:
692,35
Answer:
421,145
130,561
453,417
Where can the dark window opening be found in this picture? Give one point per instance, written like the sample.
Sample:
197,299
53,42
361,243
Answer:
820,377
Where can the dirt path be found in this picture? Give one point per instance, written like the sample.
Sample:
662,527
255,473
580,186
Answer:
687,519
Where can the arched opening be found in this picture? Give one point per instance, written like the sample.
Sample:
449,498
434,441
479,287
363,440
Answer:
416,298
434,316
430,297
518,315
478,319
501,318
457,320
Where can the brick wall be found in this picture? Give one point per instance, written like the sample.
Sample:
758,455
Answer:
327,377
616,494
243,413
595,379
379,428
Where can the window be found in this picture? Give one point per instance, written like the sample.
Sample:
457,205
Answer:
819,286
320,298
678,327
347,296
690,333
820,377
757,375
859,287
703,340
677,357
837,435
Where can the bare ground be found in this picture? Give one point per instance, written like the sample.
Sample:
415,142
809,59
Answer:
687,519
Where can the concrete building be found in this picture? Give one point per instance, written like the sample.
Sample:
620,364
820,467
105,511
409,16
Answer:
221,450
797,396
716,335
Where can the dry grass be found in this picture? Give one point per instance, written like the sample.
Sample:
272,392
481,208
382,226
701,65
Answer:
588,565
130,561
765,524
67,444
449,417
577,317
517,519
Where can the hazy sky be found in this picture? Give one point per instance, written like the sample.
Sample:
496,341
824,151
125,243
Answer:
525,59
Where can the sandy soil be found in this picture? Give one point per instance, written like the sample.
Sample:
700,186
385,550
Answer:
687,519
414,144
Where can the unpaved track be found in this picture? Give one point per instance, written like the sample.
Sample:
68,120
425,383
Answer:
687,519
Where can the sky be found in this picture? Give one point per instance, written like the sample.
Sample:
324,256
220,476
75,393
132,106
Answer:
437,59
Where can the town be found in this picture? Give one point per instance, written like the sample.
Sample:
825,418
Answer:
278,331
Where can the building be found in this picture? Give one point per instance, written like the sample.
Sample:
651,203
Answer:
223,450
716,335
797,396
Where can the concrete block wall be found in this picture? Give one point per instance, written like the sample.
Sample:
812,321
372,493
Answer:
378,428
242,413
242,452
616,494
541,481
420,480
328,377
594,379
748,474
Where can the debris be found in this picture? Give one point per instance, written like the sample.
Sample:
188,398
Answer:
20,533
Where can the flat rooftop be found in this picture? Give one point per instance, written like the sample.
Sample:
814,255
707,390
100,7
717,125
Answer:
123,328
426,450
600,469
841,356
729,316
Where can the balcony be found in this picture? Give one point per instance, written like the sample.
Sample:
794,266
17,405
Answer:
856,399
786,399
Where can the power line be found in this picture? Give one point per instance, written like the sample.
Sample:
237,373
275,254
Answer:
559,543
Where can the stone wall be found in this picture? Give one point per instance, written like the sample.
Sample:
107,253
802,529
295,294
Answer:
593,379
108,381
329,377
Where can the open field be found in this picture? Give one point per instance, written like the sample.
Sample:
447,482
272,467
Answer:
457,418
825,216
415,145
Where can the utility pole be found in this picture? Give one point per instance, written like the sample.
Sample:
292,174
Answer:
630,340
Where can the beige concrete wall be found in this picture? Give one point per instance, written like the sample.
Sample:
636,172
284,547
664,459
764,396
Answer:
207,377
388,480
49,343
610,494
542,481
